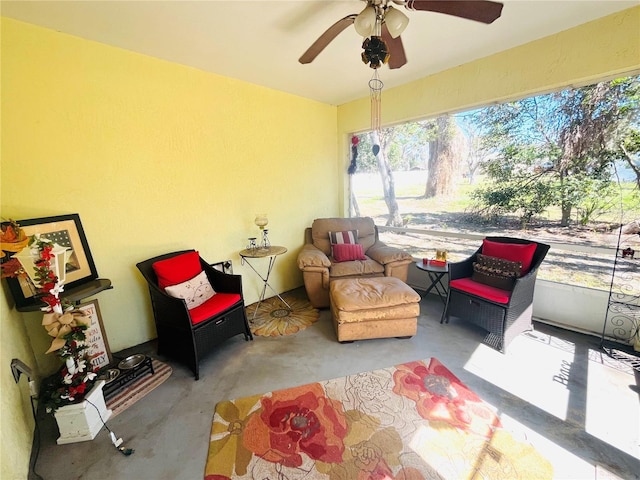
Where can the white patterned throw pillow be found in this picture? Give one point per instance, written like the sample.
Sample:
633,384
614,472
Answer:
195,291
347,236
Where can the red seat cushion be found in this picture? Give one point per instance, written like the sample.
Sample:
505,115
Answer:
481,290
177,269
515,252
216,304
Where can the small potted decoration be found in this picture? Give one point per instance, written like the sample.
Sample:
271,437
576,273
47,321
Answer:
12,241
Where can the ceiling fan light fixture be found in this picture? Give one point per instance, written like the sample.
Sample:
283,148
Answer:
365,22
396,21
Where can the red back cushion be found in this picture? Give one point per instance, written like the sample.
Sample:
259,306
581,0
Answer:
344,252
177,269
514,252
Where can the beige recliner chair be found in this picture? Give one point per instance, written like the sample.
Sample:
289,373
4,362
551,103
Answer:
319,268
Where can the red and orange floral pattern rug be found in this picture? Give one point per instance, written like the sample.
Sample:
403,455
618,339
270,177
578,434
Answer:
409,422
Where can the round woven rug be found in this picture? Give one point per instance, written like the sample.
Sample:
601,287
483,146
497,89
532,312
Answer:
274,319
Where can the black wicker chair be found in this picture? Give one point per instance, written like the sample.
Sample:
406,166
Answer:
178,337
502,321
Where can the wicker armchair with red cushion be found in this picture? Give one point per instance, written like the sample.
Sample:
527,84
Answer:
195,306
494,287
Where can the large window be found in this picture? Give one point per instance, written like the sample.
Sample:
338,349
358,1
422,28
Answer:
562,168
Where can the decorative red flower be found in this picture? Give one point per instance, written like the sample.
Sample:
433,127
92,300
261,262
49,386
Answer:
295,421
45,253
440,396
50,300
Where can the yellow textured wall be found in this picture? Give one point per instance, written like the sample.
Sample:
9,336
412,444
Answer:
155,157
16,419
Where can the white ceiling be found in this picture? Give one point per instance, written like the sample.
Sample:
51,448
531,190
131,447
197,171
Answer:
260,41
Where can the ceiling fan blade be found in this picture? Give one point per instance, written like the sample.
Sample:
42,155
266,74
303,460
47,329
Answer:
479,10
326,38
397,57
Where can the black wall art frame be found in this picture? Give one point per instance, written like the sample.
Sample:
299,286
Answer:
67,231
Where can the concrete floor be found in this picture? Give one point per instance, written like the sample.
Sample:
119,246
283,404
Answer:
552,388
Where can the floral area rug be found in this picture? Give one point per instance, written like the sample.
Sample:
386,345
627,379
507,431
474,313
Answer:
408,422
273,318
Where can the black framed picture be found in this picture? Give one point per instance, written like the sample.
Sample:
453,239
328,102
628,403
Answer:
66,231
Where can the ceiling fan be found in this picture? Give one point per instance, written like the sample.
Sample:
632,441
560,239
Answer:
381,24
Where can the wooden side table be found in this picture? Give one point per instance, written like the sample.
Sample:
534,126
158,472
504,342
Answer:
272,253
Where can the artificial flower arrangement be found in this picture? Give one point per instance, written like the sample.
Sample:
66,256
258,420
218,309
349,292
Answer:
68,328
66,325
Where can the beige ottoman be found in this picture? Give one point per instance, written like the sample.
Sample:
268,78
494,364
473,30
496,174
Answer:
376,307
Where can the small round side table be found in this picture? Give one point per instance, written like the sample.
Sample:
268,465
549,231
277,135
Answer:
272,253
436,273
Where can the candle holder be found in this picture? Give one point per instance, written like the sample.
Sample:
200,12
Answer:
252,246
265,239
441,255
261,221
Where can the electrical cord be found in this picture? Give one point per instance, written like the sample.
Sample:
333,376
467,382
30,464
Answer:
117,442
33,474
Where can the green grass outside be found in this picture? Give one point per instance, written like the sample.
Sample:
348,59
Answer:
451,214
